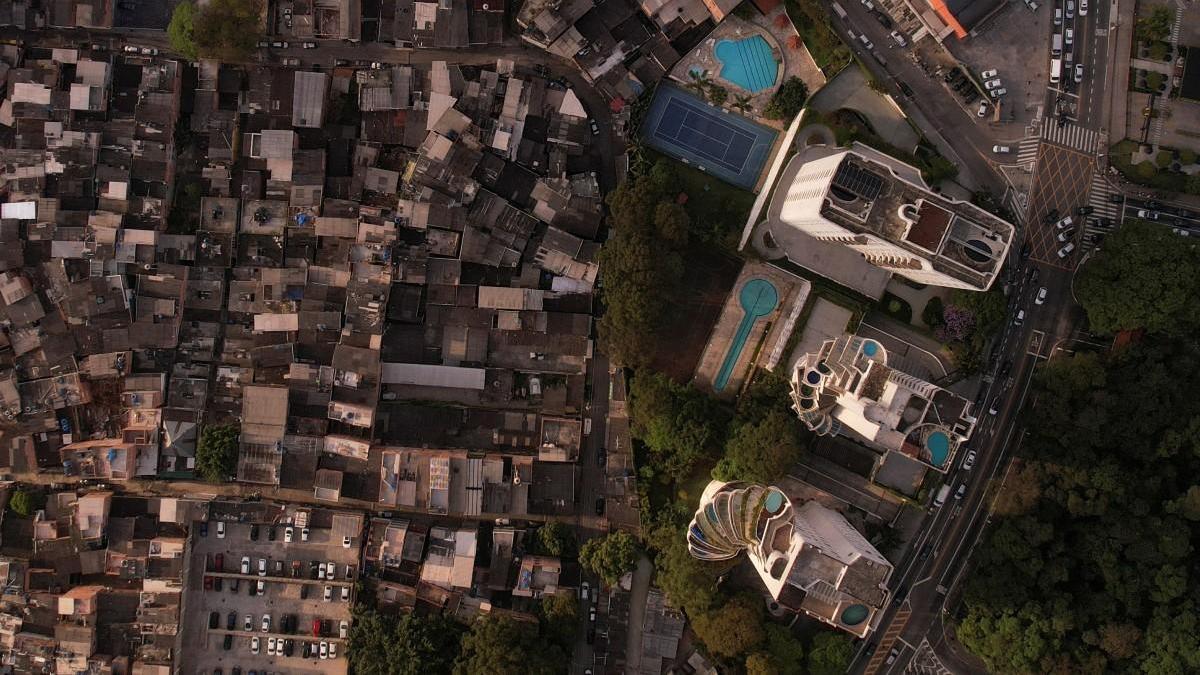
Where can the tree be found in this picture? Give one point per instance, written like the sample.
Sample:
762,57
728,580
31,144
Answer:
830,654
501,645
761,452
932,314
788,100
1142,278
557,539
690,584
560,616
217,452
610,557
1156,27
227,30
761,663
678,424
795,43
387,644
787,654
717,95
734,629
181,29
938,169
24,502
1192,184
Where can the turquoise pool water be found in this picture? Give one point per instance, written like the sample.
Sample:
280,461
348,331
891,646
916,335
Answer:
854,615
758,299
938,445
747,63
870,348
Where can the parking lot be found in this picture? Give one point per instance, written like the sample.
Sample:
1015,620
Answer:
292,596
1016,43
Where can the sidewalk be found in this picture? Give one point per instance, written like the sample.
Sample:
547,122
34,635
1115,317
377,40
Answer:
1116,107
637,613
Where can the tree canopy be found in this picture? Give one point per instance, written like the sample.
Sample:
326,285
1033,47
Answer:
557,539
610,557
830,653
1088,564
182,28
560,618
788,100
761,451
680,425
217,452
734,629
1145,277
501,645
24,502
227,30
642,268
388,644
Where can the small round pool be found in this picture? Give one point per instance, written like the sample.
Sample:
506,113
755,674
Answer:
854,615
938,444
870,347
748,63
774,501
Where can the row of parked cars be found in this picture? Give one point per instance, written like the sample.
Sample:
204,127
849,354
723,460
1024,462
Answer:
962,85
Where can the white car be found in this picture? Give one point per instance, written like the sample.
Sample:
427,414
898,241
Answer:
1033,6
1068,36
333,650
220,529
345,593
1064,223
266,623
304,534
1019,318
248,624
262,567
345,542
997,93
287,535
261,588
328,593
1180,231
899,38
1148,215
866,42
1066,235
1001,149
330,570
1041,296
1079,72
1066,250
1083,4
969,461
270,646
992,84
254,645
344,630
869,5
1058,16
1070,9
983,108
324,651
245,564
989,74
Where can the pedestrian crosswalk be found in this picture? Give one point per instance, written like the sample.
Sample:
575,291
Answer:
1027,151
1070,135
1100,199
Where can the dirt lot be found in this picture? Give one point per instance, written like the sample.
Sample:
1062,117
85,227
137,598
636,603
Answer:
203,650
708,277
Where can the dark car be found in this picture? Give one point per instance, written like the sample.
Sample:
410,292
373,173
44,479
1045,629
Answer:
288,647
231,621
600,506
907,90
925,551
303,591
1026,250
883,20
234,585
1084,210
870,648
271,533
306,651
253,533
219,562
208,583
214,619
1004,370
204,528
228,642
218,583
1051,217
901,593
601,457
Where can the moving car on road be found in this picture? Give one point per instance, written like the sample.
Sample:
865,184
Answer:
969,461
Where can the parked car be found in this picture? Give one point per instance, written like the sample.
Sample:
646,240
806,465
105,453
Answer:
263,44
280,44
883,19
1041,296
1066,250
866,41
893,655
261,587
309,45
262,567
248,623
345,593
1001,149
962,490
254,645
204,528
1019,318
983,108
148,51
601,456
328,593
600,506
254,533
1064,223
324,649
1083,7
992,84
266,623
1079,72
1067,235
1070,9
287,535
214,619
1058,16
1147,214
989,74
220,529
304,534
898,38
228,641
344,629
997,93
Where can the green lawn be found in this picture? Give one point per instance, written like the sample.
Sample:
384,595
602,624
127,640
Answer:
717,209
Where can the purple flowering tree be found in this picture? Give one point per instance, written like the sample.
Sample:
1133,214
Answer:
958,325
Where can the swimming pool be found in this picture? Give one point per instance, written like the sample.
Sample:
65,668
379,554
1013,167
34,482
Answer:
758,298
748,63
938,444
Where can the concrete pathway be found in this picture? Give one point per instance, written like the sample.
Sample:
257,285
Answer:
637,613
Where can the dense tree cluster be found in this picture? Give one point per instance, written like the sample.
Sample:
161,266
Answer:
1145,277
966,323
610,557
678,424
502,645
388,644
1089,563
788,100
217,452
24,502
227,30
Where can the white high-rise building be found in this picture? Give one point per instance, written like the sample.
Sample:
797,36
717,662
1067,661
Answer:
848,387
810,558
880,207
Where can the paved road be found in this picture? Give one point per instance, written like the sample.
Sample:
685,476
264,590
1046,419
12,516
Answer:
946,125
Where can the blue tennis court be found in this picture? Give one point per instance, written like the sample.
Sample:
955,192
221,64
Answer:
726,145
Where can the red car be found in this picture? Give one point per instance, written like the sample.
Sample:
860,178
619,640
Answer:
316,627
220,563
207,583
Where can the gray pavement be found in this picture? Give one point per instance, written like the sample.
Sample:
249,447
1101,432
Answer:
637,613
